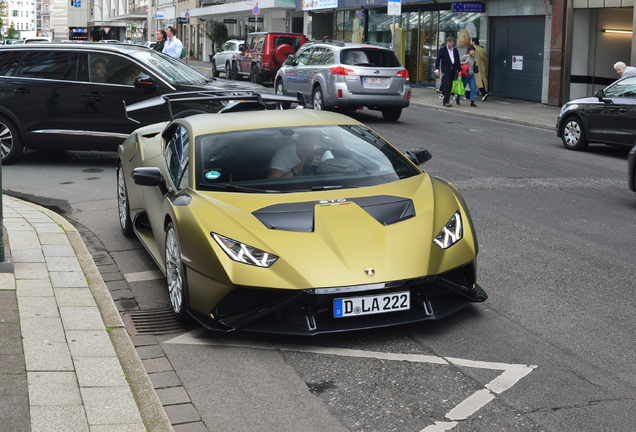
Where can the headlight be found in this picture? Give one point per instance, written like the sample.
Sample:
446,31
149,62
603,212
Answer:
451,233
243,253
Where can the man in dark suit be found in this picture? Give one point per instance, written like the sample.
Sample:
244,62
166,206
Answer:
448,56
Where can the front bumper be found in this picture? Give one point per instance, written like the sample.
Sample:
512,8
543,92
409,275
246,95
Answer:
310,312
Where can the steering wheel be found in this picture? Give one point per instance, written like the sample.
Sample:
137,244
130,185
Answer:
308,168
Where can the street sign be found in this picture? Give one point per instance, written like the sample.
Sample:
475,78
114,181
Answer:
394,7
254,19
256,10
187,15
229,20
181,20
159,15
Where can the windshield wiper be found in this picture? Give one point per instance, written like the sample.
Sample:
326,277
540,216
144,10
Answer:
319,188
234,188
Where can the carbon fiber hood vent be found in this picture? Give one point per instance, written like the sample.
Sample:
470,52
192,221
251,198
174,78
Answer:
299,217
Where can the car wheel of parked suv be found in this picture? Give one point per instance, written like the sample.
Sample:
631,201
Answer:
317,99
256,76
573,134
10,145
215,71
392,114
280,90
228,70
234,73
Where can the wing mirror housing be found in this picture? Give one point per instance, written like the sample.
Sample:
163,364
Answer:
600,94
149,176
241,47
418,156
144,82
290,60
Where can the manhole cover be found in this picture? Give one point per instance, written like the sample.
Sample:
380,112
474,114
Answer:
154,321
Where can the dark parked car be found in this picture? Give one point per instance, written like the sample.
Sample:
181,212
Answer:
72,96
263,53
605,118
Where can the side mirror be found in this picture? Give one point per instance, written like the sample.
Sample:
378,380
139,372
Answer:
147,176
600,94
241,47
418,156
144,82
290,60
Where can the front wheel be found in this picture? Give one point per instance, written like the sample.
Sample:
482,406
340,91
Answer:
280,90
391,114
175,275
573,134
10,144
125,222
318,100
215,70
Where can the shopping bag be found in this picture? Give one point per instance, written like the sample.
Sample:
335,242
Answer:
464,71
458,87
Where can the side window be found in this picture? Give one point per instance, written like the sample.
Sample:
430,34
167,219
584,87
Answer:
316,56
226,46
260,42
55,65
177,156
303,57
10,60
251,42
622,88
118,70
328,57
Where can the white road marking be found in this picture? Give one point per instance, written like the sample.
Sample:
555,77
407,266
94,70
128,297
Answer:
511,374
144,276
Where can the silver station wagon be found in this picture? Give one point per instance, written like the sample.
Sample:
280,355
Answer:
336,74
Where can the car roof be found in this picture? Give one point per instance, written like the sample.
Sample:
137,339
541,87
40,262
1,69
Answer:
348,45
276,33
265,119
121,48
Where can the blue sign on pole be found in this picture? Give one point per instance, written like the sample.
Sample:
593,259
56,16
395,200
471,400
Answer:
77,3
469,7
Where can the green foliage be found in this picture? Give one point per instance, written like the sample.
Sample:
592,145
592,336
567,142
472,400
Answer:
3,12
12,33
217,32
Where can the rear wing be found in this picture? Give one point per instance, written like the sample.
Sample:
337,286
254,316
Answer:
216,101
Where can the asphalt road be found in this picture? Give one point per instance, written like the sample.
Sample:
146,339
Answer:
551,350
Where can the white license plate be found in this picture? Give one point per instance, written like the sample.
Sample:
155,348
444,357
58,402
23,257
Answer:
375,80
367,305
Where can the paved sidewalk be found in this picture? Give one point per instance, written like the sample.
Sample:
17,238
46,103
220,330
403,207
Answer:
496,108
66,361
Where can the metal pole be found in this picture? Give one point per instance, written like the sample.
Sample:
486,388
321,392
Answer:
2,258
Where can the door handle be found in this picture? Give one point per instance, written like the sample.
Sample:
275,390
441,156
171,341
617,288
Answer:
22,91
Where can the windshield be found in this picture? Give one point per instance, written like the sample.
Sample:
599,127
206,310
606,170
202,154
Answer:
169,68
622,88
297,159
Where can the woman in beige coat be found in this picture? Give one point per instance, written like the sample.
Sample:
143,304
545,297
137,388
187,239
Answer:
481,78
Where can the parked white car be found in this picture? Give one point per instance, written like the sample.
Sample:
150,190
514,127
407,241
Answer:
223,58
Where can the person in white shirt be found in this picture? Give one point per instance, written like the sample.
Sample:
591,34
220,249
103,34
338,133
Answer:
289,160
173,45
624,70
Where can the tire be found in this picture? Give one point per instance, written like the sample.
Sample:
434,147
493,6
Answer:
391,114
255,75
317,100
175,275
234,74
280,90
10,143
215,71
228,70
573,134
125,222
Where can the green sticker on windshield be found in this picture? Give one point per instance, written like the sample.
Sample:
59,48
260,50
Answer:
212,175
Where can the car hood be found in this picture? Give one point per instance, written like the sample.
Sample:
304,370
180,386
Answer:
389,228
585,100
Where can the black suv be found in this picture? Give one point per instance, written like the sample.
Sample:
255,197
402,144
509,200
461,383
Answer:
72,96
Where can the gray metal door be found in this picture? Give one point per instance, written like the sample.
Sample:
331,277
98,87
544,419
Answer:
516,57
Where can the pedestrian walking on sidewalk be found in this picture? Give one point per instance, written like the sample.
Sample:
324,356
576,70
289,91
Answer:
173,45
448,63
161,40
469,58
481,77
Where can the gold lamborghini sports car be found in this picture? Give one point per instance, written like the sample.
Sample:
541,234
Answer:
295,222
